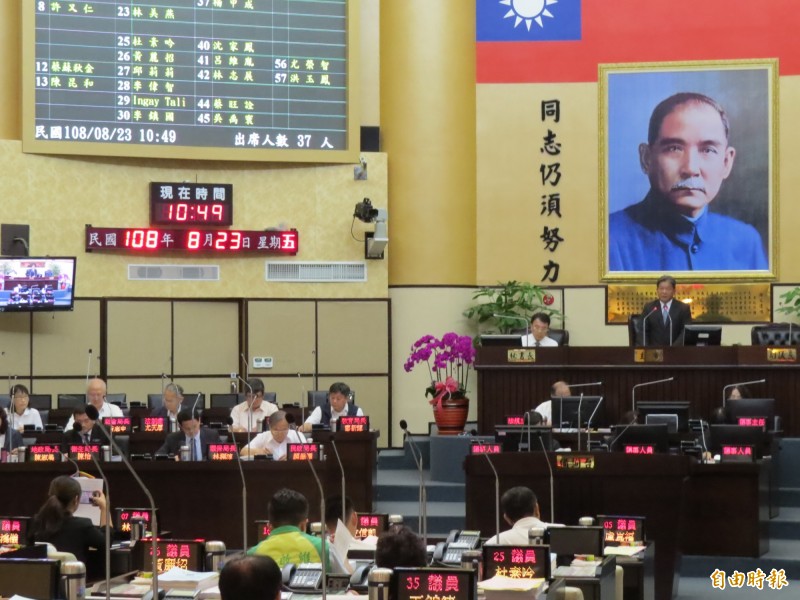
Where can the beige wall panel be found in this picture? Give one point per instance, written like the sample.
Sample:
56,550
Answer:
417,312
15,343
10,18
139,335
206,337
372,395
136,389
370,70
290,389
585,312
61,340
284,331
353,337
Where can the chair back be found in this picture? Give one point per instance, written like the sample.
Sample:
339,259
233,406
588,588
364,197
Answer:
775,334
635,330
70,400
41,401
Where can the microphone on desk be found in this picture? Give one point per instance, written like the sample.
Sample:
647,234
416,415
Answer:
670,328
589,425
341,469
94,415
644,323
552,481
324,536
638,385
703,438
624,429
66,458
244,486
496,499
732,385
249,407
423,499
108,524
88,366
246,367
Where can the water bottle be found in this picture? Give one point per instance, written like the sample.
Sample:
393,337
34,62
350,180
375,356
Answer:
184,453
73,573
378,584
215,552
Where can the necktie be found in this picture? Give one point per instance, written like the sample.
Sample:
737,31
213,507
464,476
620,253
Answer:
198,453
538,343
192,450
665,314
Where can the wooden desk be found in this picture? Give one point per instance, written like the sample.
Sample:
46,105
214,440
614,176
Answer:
651,486
727,510
204,499
700,374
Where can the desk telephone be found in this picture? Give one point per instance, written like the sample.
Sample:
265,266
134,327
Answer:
307,577
450,551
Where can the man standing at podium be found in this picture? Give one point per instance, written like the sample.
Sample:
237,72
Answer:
663,319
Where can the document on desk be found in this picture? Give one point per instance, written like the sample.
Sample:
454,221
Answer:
622,550
575,571
508,588
85,507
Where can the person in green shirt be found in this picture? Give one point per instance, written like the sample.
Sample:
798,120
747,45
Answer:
288,543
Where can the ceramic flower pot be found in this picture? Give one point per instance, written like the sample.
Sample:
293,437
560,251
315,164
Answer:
452,415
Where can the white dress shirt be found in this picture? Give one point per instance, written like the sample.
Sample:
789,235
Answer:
265,441
108,410
315,418
30,416
243,417
528,341
518,534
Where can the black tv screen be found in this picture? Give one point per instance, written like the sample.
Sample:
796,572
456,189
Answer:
31,578
738,436
31,284
753,412
655,412
571,540
640,439
702,335
570,411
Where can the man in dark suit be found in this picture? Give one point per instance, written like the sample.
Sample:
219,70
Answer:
171,401
84,430
191,435
665,318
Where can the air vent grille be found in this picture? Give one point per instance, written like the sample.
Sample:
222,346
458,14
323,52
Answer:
173,272
319,272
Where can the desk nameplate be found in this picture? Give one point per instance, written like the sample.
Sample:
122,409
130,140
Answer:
648,355
521,355
781,354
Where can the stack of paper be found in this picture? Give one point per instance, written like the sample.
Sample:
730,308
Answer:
506,588
186,581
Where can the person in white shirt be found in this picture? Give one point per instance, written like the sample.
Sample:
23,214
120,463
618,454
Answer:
96,396
560,389
21,414
250,414
540,327
274,442
521,511
338,405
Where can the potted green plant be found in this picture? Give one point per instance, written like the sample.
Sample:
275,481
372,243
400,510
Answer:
503,308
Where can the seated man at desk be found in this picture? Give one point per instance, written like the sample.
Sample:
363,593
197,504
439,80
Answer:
250,578
540,327
338,405
560,389
84,430
171,401
96,396
520,510
191,435
288,543
400,547
274,442
250,414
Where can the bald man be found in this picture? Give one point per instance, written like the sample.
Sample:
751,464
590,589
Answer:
560,389
96,396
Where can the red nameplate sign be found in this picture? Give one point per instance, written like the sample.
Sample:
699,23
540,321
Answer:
221,451
13,530
737,454
303,452
639,449
44,453
153,424
479,448
516,562
83,451
752,422
433,584
515,420
353,424
126,515
264,529
622,531
118,425
371,525
184,554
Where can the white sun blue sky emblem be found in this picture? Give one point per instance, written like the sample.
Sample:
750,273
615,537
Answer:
528,11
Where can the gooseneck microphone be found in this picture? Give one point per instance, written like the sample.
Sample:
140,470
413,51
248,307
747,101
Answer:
620,434
644,324
341,469
517,318
324,536
88,366
108,525
646,383
416,453
552,481
733,385
249,408
244,487
496,499
94,415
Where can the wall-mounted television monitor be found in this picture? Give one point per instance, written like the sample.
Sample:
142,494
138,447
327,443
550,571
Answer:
31,284
674,413
758,412
640,439
570,411
702,335
738,436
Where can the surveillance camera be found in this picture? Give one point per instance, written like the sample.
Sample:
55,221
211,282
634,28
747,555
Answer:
365,212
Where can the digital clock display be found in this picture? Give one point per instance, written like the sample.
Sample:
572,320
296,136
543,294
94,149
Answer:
156,240
191,204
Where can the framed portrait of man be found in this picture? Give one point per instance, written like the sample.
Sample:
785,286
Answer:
688,179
